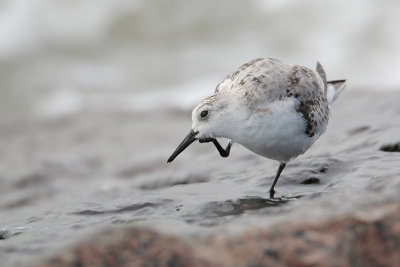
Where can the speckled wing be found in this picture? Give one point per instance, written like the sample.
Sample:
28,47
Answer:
261,75
265,80
308,88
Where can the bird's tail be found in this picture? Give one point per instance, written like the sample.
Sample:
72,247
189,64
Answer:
332,89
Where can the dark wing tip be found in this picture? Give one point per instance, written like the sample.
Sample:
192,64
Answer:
337,81
322,74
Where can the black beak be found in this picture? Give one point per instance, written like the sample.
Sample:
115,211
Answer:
190,138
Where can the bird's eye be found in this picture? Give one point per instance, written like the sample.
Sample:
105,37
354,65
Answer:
204,113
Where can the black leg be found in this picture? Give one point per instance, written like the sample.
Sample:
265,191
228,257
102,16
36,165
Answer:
280,169
223,152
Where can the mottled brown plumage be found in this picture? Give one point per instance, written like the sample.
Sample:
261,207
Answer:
262,81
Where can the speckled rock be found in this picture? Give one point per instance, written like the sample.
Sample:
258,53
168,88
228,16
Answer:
128,247
371,239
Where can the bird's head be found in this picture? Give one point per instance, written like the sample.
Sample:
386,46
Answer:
208,120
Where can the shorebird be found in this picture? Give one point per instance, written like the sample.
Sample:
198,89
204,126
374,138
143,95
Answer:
273,109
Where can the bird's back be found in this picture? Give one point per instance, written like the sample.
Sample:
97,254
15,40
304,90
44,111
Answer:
265,80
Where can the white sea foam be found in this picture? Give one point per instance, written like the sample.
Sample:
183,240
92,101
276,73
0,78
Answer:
29,24
66,102
154,54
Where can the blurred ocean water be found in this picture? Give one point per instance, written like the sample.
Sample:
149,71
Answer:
96,94
62,57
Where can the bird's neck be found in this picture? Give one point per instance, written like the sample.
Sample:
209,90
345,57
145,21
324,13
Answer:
233,122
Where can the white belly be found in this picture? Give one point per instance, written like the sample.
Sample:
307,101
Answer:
278,134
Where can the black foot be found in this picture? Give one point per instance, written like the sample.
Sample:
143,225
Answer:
223,152
271,194
206,140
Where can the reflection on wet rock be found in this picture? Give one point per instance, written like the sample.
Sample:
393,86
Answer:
130,208
239,206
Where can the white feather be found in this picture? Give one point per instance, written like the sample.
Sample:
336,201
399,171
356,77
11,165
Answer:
334,89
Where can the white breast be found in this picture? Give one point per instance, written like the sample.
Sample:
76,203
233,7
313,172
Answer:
277,132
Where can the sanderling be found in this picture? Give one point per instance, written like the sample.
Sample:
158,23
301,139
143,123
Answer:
273,109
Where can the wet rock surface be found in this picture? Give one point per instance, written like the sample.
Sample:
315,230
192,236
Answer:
89,189
362,240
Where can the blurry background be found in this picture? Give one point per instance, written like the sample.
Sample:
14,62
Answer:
96,94
61,57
